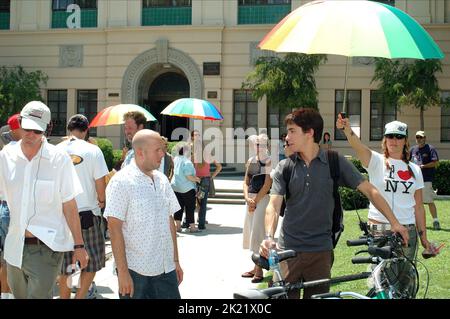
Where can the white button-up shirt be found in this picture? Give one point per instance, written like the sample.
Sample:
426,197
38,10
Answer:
144,205
35,191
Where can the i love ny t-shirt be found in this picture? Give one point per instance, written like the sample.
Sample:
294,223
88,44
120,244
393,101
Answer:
397,186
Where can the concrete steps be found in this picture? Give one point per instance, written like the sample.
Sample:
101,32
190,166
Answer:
227,196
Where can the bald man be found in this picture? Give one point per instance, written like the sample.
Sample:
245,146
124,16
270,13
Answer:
139,206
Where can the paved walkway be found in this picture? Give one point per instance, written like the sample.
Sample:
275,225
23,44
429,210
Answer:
212,260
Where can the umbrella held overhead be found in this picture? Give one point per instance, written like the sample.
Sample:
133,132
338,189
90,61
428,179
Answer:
113,115
193,108
351,28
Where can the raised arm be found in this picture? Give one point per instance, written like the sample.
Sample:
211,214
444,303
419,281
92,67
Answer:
362,151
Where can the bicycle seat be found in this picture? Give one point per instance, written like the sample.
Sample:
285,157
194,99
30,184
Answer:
264,263
268,293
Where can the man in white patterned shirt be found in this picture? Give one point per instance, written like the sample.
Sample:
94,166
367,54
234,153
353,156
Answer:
139,206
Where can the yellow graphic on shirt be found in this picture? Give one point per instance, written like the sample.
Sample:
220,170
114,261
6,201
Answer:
76,159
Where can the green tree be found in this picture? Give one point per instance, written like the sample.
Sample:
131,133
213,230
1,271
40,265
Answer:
406,82
18,87
288,80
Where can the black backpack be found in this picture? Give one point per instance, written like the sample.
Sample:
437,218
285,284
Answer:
338,215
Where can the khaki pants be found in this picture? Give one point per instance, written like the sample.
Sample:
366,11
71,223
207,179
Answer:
36,278
307,267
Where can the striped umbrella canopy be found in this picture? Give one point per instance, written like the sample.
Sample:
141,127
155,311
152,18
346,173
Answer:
193,108
351,28
113,115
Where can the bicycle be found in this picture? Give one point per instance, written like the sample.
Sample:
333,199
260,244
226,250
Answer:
382,250
280,289
394,276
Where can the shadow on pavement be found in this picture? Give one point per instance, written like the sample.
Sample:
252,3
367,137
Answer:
215,229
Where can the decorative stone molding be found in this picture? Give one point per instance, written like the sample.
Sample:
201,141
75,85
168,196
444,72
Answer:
256,53
143,62
71,56
162,48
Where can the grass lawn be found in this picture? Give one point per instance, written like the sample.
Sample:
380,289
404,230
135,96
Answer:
438,267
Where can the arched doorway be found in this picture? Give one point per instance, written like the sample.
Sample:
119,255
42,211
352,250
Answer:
163,90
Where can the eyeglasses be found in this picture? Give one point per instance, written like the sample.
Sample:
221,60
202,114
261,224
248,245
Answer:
37,132
419,137
396,136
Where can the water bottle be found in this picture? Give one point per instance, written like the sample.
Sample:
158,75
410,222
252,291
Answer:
274,265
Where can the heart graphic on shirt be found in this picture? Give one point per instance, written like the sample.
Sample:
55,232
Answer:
404,175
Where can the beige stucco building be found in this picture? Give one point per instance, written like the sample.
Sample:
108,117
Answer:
118,56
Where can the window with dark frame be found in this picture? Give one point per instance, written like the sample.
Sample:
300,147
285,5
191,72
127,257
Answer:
245,110
57,103
166,3
353,111
275,118
87,105
61,5
262,2
5,6
381,112
445,119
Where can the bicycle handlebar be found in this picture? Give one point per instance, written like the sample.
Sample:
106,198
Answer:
364,260
357,242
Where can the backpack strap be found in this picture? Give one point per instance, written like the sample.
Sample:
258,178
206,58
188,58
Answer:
287,173
338,215
333,163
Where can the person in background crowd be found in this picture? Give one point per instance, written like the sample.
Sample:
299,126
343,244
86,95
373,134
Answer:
184,186
282,147
426,157
91,169
257,183
133,122
326,142
202,164
166,166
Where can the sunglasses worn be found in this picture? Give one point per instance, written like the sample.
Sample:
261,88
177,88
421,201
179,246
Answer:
396,136
419,137
37,132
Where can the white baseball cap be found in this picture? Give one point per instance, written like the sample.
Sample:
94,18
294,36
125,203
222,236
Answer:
396,127
35,116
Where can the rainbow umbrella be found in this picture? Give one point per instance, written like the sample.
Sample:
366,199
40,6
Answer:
193,108
351,28
113,115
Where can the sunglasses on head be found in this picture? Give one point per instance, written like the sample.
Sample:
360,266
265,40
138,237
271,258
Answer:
396,136
37,132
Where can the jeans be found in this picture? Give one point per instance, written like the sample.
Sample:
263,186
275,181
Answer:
164,286
4,222
204,184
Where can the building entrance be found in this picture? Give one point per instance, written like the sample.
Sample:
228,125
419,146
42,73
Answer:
163,90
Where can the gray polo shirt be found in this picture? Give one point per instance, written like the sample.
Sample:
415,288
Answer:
308,216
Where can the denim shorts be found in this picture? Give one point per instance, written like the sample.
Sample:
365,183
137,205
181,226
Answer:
4,222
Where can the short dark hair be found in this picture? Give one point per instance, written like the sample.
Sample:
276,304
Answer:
78,122
307,118
137,116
